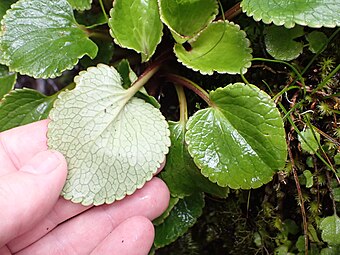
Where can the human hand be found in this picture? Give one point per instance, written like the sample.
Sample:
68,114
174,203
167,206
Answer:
35,220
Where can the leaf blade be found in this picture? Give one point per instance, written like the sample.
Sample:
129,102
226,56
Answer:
221,47
312,13
240,142
113,142
42,38
129,32
23,106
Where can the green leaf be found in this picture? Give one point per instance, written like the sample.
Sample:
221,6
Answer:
23,106
7,80
337,159
80,5
240,141
311,145
180,172
41,38
330,227
336,194
221,47
309,178
330,251
135,24
113,142
280,42
186,17
4,6
317,41
173,201
312,13
181,218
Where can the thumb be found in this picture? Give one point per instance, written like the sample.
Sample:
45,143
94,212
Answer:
27,195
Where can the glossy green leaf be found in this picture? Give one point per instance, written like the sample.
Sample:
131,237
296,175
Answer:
312,13
135,24
186,17
280,42
330,227
80,5
336,194
312,143
221,47
7,80
240,141
180,172
23,106
309,178
113,142
159,220
317,41
4,6
41,38
181,218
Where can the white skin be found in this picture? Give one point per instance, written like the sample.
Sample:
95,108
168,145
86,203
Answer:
36,220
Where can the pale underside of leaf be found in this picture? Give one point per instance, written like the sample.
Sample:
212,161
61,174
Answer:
312,13
113,142
221,47
240,142
41,38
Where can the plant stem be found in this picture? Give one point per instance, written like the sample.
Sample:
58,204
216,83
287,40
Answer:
320,51
323,83
190,85
302,80
183,108
147,74
103,10
232,12
298,187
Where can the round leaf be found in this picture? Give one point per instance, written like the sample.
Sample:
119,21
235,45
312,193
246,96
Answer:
41,38
181,218
309,143
7,80
330,227
180,172
312,13
135,24
240,141
80,5
113,142
317,41
23,106
281,44
187,18
221,47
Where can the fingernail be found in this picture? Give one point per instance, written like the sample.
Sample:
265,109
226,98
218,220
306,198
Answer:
43,163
